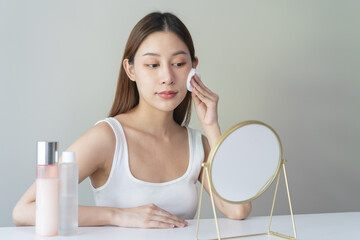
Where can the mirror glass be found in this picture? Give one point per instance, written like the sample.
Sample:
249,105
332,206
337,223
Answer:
245,161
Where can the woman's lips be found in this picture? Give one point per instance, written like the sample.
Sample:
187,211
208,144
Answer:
167,94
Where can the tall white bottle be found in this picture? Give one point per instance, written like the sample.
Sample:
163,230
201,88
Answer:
68,195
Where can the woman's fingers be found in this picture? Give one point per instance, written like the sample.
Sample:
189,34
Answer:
199,87
171,222
200,96
208,100
157,224
205,102
196,85
201,84
147,216
164,213
158,217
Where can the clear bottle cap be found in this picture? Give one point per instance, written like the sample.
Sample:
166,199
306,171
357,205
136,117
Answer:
68,157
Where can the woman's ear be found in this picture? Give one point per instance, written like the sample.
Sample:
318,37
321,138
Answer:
195,63
129,69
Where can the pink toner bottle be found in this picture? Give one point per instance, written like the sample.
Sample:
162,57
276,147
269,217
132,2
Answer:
47,189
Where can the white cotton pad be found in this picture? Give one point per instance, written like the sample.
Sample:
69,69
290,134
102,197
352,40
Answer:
192,72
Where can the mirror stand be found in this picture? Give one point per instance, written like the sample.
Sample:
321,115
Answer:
272,233
205,167
290,206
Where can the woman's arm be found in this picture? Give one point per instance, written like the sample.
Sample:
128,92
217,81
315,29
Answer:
94,153
205,102
24,212
148,216
232,211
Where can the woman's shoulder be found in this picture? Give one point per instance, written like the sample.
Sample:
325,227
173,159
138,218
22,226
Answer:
197,134
193,131
95,146
100,135
102,128
200,138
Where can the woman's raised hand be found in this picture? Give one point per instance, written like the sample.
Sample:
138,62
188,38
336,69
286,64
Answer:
205,102
148,216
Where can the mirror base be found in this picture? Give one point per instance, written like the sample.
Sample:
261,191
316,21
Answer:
272,233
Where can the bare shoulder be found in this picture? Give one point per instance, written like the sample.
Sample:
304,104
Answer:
99,137
102,132
94,149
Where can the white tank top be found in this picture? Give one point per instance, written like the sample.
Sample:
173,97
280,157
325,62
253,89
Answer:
123,190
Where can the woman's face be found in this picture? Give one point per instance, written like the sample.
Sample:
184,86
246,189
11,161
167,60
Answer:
160,69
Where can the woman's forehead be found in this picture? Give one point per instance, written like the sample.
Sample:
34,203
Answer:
162,44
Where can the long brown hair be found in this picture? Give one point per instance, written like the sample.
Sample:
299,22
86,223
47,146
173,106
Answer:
127,95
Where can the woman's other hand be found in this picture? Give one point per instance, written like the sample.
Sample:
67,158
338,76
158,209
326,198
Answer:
148,216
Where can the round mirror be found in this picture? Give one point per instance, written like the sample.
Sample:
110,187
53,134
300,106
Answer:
245,161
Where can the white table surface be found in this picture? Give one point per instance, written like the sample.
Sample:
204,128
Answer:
332,226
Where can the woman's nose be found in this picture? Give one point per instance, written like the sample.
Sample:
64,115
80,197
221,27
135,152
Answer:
167,76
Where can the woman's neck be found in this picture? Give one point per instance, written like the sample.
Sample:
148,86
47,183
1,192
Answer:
153,121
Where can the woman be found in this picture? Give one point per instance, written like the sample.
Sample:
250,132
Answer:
143,161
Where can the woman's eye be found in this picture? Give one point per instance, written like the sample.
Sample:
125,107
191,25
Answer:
152,65
178,64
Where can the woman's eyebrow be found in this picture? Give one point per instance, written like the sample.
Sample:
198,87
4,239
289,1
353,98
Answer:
158,55
179,52
151,54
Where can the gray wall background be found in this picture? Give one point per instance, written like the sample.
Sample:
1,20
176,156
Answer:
291,64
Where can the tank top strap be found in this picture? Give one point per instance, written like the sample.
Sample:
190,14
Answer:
119,147
197,157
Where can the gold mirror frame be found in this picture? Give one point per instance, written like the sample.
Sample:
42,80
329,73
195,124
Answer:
222,139
207,171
